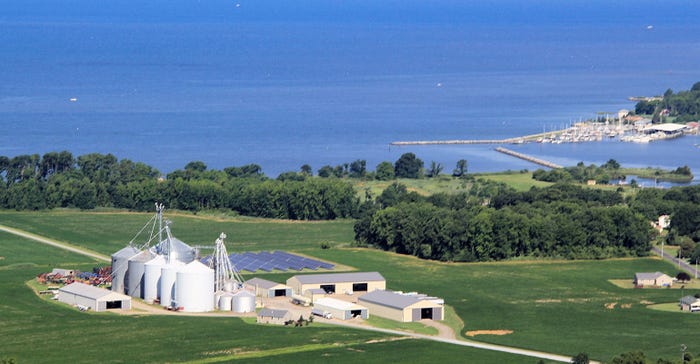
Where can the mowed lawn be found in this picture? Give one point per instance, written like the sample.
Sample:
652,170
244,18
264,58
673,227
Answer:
563,307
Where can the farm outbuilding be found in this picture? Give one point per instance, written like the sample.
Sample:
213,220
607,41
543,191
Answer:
341,309
314,294
270,316
338,282
403,307
94,298
656,279
690,303
265,288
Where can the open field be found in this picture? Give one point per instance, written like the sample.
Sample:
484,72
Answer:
563,307
448,184
35,330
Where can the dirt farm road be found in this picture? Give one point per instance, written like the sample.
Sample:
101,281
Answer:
445,337
55,243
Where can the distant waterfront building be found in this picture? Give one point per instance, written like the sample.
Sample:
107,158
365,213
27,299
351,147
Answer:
622,114
663,222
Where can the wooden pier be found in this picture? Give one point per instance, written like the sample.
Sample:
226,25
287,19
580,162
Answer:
528,158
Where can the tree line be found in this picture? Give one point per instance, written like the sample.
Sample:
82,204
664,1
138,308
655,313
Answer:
684,105
560,221
57,179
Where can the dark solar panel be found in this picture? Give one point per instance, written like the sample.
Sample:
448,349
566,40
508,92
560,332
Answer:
268,261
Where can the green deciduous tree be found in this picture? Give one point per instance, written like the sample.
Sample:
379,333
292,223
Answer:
385,171
461,168
408,166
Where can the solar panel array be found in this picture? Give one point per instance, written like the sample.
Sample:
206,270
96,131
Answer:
268,261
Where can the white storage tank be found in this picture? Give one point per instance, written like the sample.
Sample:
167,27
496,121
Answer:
120,264
243,301
134,276
151,278
168,275
229,286
194,288
225,301
178,250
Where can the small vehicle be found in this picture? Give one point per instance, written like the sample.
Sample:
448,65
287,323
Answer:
322,313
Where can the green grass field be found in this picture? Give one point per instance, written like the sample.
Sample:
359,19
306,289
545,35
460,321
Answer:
554,306
448,184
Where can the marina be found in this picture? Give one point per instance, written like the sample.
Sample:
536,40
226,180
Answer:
636,131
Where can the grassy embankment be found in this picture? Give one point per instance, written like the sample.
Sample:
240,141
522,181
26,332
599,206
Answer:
657,173
563,307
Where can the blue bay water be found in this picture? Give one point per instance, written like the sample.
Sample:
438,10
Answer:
327,83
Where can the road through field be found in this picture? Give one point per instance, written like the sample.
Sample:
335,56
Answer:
55,243
473,344
445,338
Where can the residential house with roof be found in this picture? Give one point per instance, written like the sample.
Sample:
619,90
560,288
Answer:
275,317
656,279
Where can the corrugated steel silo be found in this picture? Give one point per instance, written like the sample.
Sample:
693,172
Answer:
134,286
120,265
151,278
225,301
194,290
168,276
243,301
178,250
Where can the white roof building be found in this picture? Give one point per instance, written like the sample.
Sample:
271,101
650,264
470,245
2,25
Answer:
341,309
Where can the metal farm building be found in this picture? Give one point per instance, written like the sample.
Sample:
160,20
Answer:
342,310
338,282
96,299
265,288
403,307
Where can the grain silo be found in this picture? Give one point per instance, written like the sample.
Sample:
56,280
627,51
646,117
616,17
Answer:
168,276
194,290
174,249
225,300
134,286
151,278
243,301
120,265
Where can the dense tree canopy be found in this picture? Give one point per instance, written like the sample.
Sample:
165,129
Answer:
498,223
31,182
408,166
684,105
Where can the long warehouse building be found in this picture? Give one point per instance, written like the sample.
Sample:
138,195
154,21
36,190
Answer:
337,282
96,299
403,307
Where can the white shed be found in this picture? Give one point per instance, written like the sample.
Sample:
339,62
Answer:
94,298
341,309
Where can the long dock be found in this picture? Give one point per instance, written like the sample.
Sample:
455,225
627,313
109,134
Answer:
459,141
528,158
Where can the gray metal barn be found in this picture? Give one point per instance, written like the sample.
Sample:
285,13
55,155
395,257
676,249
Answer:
265,288
94,298
403,307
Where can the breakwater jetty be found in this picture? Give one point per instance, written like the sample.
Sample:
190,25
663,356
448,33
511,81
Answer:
528,158
460,141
